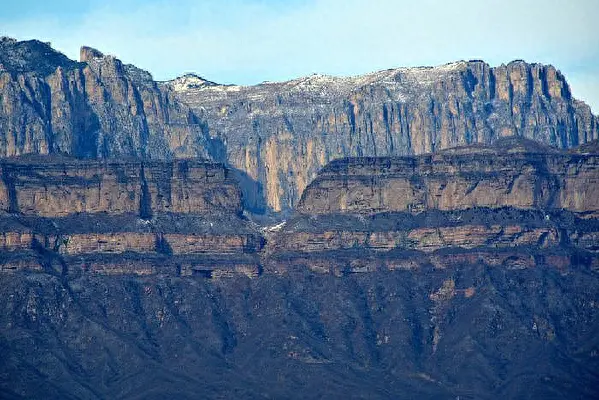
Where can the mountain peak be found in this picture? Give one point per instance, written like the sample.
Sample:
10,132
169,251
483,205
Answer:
31,56
89,53
7,39
191,81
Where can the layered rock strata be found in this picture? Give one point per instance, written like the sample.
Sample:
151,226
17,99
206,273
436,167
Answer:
515,198
281,134
515,173
277,135
54,187
515,204
469,298
515,240
140,216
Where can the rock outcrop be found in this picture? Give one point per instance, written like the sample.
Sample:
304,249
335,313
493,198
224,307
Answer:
516,204
180,218
277,135
471,272
53,187
281,134
95,108
526,202
513,173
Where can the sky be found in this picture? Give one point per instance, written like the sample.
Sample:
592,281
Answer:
250,41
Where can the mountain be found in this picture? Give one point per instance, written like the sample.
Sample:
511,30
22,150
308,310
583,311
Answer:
281,134
95,108
470,273
275,136
429,232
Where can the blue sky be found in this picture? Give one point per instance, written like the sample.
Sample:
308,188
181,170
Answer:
249,41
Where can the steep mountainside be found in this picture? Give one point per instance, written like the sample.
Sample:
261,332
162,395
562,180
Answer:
142,280
515,173
281,133
63,215
276,135
98,107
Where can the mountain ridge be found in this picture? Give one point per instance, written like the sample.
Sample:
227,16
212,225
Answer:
275,135
459,273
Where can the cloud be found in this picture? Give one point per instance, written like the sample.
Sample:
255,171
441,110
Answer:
250,41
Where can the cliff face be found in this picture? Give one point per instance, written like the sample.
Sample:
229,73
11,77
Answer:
60,187
513,204
470,273
514,196
281,133
123,217
514,173
278,135
98,107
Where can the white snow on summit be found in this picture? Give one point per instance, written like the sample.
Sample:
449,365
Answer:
190,81
319,82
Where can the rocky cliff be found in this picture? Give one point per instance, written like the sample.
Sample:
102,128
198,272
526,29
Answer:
281,134
470,273
57,186
98,107
180,217
513,173
276,135
515,204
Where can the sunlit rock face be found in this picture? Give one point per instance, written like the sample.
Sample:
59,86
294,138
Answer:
277,135
53,187
281,134
513,173
98,107
123,217
514,202
514,195
470,272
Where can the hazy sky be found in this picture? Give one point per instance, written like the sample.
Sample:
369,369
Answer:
249,41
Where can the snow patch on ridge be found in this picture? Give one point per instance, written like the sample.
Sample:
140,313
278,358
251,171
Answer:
190,81
326,84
